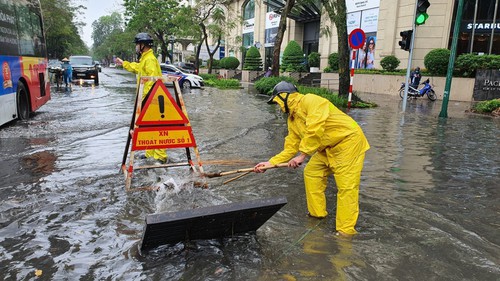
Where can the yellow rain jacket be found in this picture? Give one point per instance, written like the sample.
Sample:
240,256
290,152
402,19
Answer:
147,66
336,145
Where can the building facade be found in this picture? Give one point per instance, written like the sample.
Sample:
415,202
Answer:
381,20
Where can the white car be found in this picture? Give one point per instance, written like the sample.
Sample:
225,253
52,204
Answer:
186,80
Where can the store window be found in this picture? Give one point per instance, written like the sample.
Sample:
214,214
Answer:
249,10
480,27
248,26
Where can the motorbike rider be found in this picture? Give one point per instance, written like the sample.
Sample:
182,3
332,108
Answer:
415,77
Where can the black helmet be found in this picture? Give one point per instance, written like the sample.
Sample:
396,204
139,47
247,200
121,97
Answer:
282,87
144,38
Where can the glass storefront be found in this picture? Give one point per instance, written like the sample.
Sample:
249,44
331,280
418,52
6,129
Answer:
480,27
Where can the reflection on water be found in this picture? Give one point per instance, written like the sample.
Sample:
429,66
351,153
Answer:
429,194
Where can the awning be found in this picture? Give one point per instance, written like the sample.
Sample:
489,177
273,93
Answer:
301,12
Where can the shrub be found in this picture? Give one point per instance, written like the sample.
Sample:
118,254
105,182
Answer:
314,59
436,61
265,85
467,64
253,61
390,63
293,58
229,63
487,106
333,61
208,76
215,64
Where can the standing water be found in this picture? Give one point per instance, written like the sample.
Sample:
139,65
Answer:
428,200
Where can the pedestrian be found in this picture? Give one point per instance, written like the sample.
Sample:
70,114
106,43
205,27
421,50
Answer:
415,77
269,72
335,144
147,66
67,74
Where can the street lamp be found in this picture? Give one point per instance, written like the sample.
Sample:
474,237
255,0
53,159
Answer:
171,40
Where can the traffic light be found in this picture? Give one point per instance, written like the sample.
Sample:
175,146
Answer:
422,15
405,42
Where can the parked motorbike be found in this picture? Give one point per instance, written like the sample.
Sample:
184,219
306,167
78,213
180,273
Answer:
415,93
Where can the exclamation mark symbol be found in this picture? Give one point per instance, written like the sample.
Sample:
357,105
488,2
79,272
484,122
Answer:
161,103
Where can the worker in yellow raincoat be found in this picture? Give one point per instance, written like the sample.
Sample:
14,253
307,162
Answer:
147,66
335,144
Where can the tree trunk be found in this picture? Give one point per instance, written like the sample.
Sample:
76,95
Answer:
279,37
336,10
343,49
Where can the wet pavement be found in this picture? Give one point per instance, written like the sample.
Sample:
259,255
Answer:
428,202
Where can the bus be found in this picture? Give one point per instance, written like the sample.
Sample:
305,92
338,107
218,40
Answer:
24,84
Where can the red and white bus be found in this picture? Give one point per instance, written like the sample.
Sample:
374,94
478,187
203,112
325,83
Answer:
24,84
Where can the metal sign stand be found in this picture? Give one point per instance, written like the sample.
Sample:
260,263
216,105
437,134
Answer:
128,171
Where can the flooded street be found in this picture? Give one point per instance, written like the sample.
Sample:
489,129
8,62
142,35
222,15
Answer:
428,201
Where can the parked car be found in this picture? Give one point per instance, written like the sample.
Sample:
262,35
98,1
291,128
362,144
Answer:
186,80
98,65
186,67
84,68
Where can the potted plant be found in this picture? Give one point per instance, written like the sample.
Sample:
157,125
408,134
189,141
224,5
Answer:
313,60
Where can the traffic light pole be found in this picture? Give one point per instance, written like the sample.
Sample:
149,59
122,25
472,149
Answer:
410,57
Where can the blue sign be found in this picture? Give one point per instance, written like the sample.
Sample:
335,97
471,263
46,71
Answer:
222,52
357,38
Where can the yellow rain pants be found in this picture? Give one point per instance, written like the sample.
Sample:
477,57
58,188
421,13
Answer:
336,145
147,66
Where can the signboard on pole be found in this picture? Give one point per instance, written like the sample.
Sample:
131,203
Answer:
357,38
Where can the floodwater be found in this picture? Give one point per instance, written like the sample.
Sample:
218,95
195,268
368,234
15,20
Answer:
428,202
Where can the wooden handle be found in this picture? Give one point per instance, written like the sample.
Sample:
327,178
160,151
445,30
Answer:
244,170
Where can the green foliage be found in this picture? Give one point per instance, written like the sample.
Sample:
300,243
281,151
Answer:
293,58
467,64
314,59
207,77
253,60
265,85
229,63
118,44
333,61
213,80
61,29
390,63
215,64
487,106
103,27
436,61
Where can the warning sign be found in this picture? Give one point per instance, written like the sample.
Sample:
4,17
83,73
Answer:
160,108
163,137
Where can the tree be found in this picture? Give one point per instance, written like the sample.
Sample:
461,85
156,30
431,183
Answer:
279,37
62,36
105,26
210,16
156,17
336,10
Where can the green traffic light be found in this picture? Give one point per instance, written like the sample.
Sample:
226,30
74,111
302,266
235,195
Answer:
421,18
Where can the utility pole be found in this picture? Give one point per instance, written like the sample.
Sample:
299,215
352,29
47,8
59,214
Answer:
451,63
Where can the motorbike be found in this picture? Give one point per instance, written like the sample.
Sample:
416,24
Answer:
415,93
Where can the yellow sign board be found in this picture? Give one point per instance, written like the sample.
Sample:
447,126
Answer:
162,137
160,108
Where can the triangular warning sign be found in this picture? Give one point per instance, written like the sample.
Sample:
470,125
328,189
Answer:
160,108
